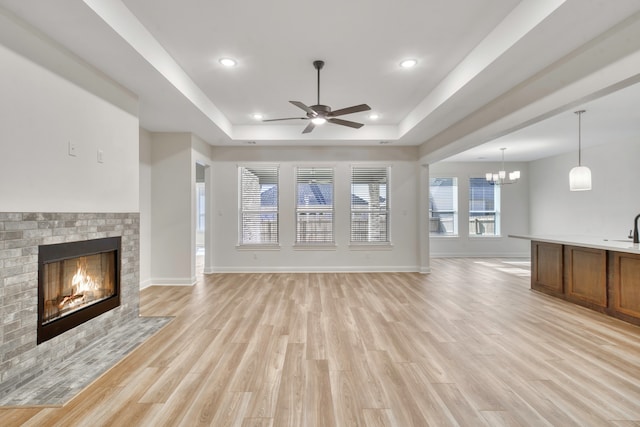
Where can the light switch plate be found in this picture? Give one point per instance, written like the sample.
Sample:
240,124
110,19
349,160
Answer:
100,156
72,149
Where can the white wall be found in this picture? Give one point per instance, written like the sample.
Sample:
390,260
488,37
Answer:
607,210
514,212
145,208
172,205
171,200
402,256
40,113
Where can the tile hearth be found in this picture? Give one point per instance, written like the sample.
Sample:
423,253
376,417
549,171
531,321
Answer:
60,383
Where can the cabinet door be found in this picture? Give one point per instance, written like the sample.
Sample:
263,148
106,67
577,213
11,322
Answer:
546,268
586,275
626,283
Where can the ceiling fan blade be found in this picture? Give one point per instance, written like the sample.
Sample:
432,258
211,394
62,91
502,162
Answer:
309,128
346,123
350,110
304,107
286,118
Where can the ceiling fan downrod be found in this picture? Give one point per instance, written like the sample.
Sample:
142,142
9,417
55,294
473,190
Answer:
318,66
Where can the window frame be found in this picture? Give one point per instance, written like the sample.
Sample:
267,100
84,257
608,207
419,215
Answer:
497,215
455,211
298,210
270,210
386,210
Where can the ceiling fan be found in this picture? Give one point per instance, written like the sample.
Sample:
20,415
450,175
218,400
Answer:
319,114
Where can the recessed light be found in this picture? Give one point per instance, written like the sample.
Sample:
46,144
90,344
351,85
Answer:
257,116
318,120
408,63
228,62
374,116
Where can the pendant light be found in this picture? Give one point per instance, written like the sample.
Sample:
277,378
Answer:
500,178
580,176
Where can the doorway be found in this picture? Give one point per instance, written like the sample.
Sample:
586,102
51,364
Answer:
200,220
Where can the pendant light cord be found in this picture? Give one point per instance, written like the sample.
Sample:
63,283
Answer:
579,113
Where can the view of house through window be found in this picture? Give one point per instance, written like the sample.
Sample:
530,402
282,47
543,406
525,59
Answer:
369,207
484,208
314,205
259,205
443,206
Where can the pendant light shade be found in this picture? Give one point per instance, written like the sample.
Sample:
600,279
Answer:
580,179
580,176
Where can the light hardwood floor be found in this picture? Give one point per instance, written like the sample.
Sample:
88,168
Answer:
470,344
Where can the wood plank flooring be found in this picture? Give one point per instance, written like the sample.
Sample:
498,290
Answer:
469,344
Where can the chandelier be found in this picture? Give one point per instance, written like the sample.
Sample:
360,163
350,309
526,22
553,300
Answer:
500,178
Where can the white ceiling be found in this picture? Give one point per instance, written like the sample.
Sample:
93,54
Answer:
610,119
476,61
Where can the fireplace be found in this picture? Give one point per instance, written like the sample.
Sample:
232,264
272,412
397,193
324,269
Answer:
77,281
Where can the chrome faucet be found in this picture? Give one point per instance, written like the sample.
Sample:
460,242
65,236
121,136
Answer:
636,238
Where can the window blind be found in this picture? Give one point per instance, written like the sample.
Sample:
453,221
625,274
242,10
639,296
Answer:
314,205
443,206
484,207
369,204
259,205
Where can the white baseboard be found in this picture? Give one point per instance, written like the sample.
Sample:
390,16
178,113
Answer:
173,282
145,284
315,269
481,255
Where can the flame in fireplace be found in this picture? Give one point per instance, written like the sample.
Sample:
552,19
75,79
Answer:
82,285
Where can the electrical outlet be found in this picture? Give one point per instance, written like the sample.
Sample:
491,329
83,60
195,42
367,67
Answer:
72,149
100,156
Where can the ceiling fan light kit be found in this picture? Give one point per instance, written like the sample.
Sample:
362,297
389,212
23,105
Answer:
319,114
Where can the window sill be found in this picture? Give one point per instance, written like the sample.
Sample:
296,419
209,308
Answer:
369,246
449,236
315,246
258,247
475,237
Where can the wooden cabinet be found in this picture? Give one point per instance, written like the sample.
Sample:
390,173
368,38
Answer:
585,273
600,279
625,284
546,268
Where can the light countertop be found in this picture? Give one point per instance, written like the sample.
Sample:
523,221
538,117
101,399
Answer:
618,245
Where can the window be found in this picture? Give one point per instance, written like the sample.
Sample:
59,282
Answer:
369,204
443,206
259,205
314,205
484,208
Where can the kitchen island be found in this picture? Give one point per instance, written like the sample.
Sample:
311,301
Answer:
598,273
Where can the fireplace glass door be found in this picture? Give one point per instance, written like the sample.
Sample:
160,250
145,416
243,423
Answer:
73,284
77,281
